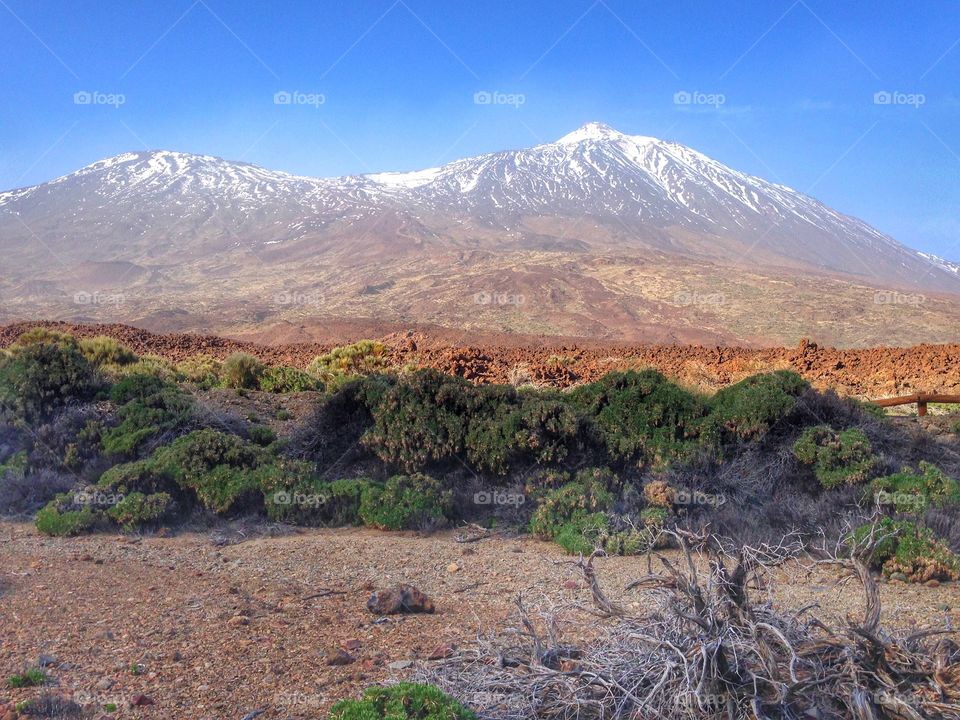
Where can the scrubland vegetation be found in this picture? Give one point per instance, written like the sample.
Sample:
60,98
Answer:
95,438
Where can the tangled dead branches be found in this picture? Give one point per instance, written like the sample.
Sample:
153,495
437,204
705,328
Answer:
716,649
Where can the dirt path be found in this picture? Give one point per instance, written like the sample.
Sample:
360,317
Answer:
213,631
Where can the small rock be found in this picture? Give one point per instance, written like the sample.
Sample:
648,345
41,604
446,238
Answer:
932,583
400,599
452,567
400,664
46,661
516,549
898,576
238,620
340,657
441,652
141,700
104,683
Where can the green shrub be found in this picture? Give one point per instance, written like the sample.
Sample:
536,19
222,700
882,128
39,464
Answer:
752,406
136,509
33,677
642,416
105,351
403,701
16,463
40,377
217,467
62,517
343,364
505,427
242,371
838,458
420,420
582,535
141,476
148,407
911,550
288,380
152,365
572,504
912,492
202,370
261,435
312,502
405,502
429,417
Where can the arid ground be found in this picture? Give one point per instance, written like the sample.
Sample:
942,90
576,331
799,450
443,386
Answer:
215,623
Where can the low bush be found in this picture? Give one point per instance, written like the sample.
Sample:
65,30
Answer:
43,373
406,502
572,506
403,701
106,352
642,416
63,517
288,380
137,509
217,467
912,551
837,458
420,420
147,409
242,371
33,677
309,501
261,435
752,406
347,363
914,492
202,370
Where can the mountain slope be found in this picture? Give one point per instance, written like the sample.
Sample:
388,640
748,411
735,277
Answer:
596,234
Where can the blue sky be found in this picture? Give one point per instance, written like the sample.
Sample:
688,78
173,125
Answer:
783,89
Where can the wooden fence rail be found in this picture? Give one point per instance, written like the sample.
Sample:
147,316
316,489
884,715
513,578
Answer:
920,399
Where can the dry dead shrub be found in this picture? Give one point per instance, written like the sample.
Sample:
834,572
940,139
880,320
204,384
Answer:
714,648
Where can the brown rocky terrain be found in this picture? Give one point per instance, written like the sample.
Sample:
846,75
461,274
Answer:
217,623
866,373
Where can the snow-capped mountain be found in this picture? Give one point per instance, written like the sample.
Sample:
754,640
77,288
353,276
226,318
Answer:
172,220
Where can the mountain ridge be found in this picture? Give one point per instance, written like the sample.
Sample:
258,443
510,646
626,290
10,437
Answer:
574,224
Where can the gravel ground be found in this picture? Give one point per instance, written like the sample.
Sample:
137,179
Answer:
208,627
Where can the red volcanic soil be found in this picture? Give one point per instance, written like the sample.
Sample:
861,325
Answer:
867,372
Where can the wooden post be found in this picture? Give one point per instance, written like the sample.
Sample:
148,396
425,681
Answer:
921,407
